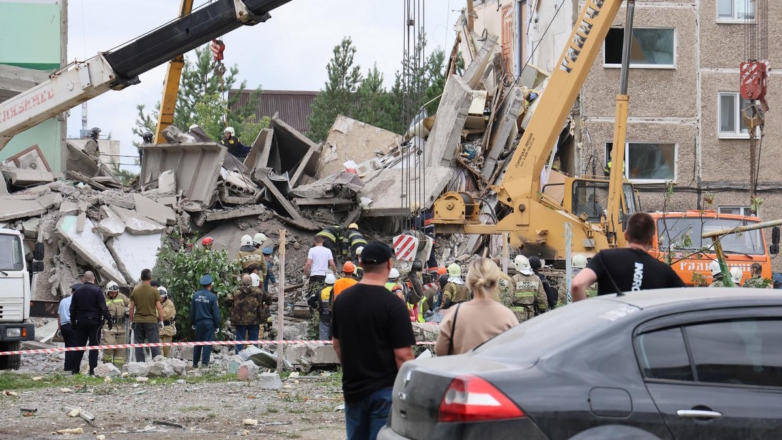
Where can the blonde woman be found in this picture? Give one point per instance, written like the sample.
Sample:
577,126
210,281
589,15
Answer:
471,323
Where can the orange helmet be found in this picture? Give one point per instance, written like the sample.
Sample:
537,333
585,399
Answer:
441,270
348,267
207,242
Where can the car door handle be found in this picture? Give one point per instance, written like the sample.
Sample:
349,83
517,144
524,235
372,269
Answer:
698,414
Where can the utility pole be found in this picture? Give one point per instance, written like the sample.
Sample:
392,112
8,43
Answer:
281,305
568,262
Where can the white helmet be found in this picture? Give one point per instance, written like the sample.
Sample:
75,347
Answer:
394,274
230,130
579,261
112,286
331,279
256,279
736,275
247,240
162,291
714,267
522,265
259,238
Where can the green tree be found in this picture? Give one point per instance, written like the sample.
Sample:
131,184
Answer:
338,97
372,104
180,270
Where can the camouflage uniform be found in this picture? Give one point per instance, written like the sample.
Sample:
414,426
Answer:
116,335
168,332
456,293
528,294
717,283
251,258
247,307
757,282
504,290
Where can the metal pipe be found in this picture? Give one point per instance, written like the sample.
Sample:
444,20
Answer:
626,46
752,227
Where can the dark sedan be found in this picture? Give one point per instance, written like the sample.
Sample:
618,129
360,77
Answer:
664,364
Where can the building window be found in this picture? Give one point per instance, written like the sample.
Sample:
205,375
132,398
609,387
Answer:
735,210
731,124
652,48
735,11
648,163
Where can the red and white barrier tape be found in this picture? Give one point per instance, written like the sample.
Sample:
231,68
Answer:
169,344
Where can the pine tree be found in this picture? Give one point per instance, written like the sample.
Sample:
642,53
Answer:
372,103
338,97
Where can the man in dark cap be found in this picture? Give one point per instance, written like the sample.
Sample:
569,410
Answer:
205,318
373,337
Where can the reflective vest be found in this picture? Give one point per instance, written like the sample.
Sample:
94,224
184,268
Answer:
391,286
325,300
418,316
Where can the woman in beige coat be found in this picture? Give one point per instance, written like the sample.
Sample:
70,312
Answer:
471,323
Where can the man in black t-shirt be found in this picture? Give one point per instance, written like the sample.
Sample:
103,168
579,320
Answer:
373,337
628,269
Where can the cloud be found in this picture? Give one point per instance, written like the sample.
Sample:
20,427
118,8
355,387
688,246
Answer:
288,52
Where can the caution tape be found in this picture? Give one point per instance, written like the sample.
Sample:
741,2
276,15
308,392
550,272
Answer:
169,344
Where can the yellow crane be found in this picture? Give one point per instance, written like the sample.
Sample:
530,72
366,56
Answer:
536,220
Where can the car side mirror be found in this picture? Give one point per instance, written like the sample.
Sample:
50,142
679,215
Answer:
36,266
38,253
775,235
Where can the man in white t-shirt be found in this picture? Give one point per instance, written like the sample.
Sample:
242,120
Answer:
319,260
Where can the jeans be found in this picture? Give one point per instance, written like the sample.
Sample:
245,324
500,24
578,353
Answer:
205,332
86,334
71,338
324,328
364,418
246,333
147,331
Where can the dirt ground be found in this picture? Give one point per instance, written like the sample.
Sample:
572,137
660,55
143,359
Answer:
211,406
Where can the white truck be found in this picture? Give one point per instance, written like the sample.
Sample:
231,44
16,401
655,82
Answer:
15,294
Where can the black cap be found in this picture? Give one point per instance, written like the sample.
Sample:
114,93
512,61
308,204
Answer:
154,283
76,286
376,253
534,262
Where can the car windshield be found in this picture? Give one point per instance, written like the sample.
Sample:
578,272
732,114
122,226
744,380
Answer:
565,325
684,234
11,257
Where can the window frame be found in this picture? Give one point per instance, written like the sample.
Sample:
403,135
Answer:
645,66
637,181
733,19
737,107
744,210
757,311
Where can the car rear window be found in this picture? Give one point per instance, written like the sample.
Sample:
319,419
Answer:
663,355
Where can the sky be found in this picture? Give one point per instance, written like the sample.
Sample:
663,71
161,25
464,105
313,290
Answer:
288,52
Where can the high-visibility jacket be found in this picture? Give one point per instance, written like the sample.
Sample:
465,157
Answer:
325,302
419,310
117,308
352,241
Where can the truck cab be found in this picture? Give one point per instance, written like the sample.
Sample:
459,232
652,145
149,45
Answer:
678,242
15,294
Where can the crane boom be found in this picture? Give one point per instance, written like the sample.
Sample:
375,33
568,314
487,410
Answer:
119,68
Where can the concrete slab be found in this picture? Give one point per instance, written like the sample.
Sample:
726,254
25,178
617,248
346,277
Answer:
225,214
134,253
51,200
446,133
15,80
12,208
354,140
296,154
68,207
137,224
197,167
472,76
166,182
26,177
111,225
79,162
506,124
154,210
262,144
30,227
89,246
385,191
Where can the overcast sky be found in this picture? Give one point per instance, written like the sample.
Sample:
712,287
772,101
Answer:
288,52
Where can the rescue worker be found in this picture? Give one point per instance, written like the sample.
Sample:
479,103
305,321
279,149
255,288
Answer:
146,140
205,318
248,258
442,282
352,240
529,292
247,312
504,291
736,275
332,240
169,320
716,274
231,142
347,280
455,291
324,298
756,281
551,294
416,291
207,243
258,240
117,304
393,281
269,278
91,148
267,302
359,273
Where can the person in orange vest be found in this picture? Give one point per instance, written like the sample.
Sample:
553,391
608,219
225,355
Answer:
347,280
